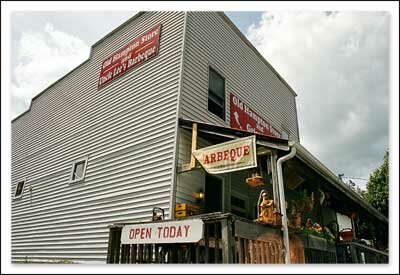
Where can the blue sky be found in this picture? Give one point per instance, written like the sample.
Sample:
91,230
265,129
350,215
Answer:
243,20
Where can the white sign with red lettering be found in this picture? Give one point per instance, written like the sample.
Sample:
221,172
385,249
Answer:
234,155
187,231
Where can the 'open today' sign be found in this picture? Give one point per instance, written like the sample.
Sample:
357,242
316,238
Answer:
186,231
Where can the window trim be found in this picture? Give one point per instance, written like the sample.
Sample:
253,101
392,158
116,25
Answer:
211,67
23,188
71,181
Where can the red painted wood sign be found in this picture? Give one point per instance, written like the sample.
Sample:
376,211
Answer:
135,53
244,118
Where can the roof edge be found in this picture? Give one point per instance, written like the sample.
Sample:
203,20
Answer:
330,176
140,13
248,43
48,87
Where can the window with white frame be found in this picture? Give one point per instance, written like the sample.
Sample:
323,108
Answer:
78,170
19,189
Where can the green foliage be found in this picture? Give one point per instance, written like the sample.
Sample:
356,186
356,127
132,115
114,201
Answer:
378,187
324,234
366,230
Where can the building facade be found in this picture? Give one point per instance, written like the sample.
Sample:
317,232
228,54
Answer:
104,145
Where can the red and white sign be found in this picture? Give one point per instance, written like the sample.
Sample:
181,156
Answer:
244,118
187,231
234,155
135,53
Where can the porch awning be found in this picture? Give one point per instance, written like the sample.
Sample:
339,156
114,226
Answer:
302,153
272,142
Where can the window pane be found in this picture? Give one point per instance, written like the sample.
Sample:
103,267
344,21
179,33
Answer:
216,94
216,84
20,186
78,170
216,99
216,109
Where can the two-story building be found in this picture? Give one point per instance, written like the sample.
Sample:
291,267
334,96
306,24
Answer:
113,139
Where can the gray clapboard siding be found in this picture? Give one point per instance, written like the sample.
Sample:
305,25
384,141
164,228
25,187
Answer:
210,41
80,103
127,130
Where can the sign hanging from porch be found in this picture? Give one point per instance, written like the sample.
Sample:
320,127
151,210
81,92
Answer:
246,119
187,231
135,53
234,155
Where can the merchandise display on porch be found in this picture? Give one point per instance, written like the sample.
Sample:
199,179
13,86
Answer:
301,204
255,179
262,174
314,228
267,213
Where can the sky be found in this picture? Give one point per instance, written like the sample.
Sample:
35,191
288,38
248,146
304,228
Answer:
337,62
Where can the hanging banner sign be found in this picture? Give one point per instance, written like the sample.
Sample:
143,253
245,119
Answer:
135,53
186,231
244,118
229,156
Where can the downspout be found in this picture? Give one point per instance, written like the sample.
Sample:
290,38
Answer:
282,203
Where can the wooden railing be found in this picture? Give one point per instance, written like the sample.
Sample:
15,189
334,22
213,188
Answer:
227,239
352,252
318,250
257,244
230,239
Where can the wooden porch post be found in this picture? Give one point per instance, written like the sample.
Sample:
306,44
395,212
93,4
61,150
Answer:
227,254
194,146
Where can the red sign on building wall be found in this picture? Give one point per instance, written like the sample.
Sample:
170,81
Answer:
244,118
135,53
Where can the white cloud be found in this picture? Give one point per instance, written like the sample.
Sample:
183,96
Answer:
338,63
42,58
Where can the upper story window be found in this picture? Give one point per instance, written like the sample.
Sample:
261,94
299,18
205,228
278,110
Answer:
216,94
19,189
78,170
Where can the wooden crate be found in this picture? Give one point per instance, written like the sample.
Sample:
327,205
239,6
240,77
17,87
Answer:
187,207
184,213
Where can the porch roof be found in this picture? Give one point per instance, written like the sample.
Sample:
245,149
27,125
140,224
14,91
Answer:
301,152
273,142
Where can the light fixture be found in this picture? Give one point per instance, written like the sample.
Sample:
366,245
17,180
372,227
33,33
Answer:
199,196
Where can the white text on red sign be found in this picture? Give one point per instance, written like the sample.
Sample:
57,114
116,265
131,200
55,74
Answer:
136,52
